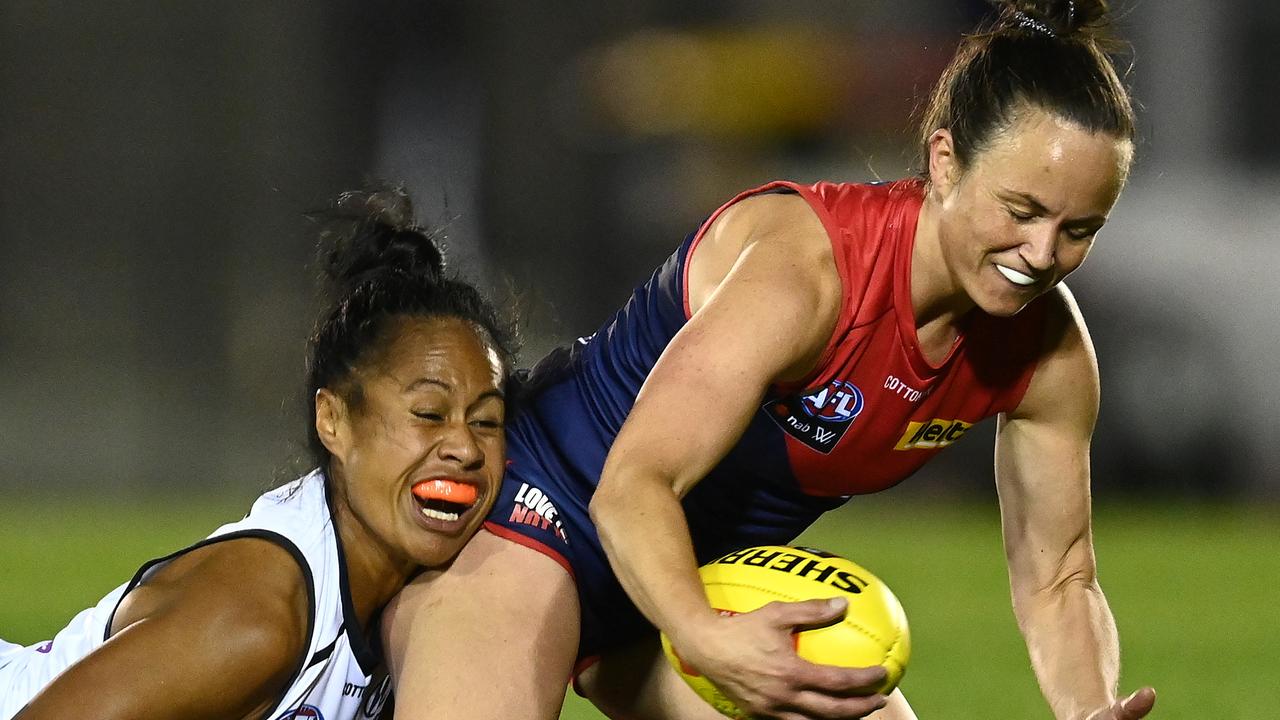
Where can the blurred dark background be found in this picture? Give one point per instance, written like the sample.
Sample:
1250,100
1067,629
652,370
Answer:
156,162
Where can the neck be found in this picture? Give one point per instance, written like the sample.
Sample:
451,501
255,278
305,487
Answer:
374,573
938,302
937,299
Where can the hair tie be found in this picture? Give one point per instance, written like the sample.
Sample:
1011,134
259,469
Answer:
1026,21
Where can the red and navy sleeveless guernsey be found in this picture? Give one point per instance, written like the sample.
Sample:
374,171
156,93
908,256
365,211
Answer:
872,412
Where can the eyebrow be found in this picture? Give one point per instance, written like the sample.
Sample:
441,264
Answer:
1034,203
495,393
417,384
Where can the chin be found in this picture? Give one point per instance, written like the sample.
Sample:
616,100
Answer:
441,553
437,550
1004,304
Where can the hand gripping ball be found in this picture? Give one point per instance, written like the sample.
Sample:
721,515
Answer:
873,631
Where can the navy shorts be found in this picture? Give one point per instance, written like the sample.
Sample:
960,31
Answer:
744,501
544,511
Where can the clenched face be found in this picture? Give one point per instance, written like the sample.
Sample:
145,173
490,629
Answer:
1023,215
417,442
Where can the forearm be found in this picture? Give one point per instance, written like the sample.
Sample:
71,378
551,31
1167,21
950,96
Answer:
1071,637
646,538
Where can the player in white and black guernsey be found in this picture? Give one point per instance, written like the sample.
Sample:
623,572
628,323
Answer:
274,616
341,674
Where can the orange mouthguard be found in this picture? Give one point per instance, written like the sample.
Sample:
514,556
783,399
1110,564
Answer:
454,492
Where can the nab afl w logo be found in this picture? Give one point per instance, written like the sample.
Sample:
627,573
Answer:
820,418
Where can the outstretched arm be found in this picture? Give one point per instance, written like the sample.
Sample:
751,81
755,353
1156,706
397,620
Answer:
1042,473
216,635
765,296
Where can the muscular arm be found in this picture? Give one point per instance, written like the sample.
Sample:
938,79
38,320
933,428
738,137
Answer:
1042,473
216,634
765,296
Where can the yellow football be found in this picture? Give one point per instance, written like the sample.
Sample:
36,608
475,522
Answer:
873,631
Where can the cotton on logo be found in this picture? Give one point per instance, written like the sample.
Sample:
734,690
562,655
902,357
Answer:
839,401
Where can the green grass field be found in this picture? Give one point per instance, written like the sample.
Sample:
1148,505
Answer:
1195,590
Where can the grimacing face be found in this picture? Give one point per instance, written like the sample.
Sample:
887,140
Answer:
1023,215
430,415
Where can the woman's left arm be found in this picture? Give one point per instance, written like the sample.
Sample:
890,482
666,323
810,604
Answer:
1042,474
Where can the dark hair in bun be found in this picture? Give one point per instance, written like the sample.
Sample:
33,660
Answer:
1046,54
1061,18
367,234
377,265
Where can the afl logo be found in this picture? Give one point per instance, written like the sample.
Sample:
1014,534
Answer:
819,419
839,401
304,712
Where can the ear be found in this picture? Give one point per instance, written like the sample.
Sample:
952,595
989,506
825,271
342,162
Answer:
944,166
332,423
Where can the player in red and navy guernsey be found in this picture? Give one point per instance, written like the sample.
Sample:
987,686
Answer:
871,412
808,344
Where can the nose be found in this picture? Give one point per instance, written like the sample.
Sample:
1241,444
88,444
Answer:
458,444
1040,249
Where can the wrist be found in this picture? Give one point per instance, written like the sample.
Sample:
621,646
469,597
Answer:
694,629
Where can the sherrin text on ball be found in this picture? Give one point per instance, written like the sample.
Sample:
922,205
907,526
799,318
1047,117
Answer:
872,632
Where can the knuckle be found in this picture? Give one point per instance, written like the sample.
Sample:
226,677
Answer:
773,607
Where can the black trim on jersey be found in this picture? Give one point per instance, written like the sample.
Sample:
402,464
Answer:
271,537
366,658
323,653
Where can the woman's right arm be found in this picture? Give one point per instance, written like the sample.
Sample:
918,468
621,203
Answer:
765,297
216,634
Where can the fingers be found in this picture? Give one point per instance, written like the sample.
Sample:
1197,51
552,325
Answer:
765,677
839,681
829,679
810,705
1136,705
807,614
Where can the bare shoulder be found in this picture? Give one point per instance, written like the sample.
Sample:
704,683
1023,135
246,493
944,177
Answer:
770,211
217,632
250,595
1066,378
1064,324
781,229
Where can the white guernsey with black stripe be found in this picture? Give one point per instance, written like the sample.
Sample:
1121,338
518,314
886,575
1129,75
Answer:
340,677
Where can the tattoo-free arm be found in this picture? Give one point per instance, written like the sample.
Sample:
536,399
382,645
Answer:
766,318
1042,473
217,635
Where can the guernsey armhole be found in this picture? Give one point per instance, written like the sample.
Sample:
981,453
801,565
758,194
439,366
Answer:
270,536
777,187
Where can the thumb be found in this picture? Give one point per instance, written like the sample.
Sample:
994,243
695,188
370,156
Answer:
809,614
1136,705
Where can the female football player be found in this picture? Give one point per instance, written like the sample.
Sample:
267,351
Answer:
807,344
274,616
